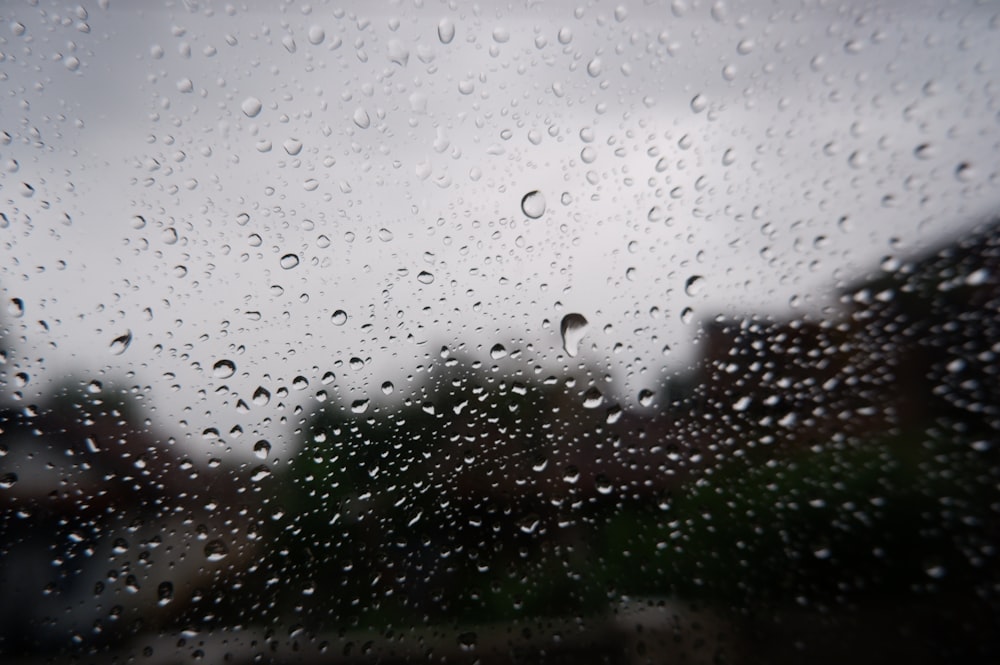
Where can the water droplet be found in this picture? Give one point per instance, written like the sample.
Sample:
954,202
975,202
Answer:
94,387
251,107
300,383
259,473
501,35
387,387
289,261
262,449
533,204
592,398
530,523
316,35
573,328
964,172
646,397
339,317
687,315
359,406
467,641
292,146
594,67
121,343
498,352
361,118
185,85
223,369
699,103
924,151
15,308
8,480
693,285
216,550
446,30
261,396
164,593
425,277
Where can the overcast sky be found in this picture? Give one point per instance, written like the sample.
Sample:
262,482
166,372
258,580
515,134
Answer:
218,181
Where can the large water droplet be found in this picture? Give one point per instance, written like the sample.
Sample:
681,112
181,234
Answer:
121,343
533,204
592,398
693,285
261,449
251,107
573,328
425,277
164,593
15,308
289,261
216,550
316,35
339,317
361,119
261,396
498,352
223,369
446,30
359,406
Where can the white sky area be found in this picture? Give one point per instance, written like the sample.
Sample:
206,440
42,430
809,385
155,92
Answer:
771,149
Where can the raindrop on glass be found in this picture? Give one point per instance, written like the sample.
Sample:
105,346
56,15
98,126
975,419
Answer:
261,396
446,30
251,107
223,369
533,204
121,343
216,550
693,285
573,328
261,449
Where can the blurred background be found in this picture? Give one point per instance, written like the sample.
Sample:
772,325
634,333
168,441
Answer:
612,333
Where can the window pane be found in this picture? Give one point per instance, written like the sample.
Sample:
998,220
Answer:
617,333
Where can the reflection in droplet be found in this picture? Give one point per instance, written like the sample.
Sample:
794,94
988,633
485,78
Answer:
533,204
573,328
223,369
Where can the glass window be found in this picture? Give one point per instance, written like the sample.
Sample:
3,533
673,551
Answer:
499,332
